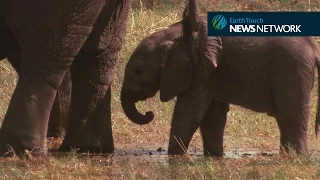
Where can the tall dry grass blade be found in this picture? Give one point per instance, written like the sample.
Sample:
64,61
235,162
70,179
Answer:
132,21
141,7
183,148
4,67
309,5
10,152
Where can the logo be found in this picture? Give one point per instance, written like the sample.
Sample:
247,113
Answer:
263,23
219,22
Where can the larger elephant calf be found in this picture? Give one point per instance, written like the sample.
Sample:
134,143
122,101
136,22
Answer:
274,75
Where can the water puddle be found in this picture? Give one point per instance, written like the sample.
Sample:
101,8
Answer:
160,155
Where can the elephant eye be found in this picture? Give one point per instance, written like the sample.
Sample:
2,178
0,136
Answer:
138,71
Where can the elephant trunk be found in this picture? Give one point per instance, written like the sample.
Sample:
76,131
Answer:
128,100
194,14
190,21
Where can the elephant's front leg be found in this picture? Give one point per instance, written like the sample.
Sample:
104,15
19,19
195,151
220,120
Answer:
188,114
212,128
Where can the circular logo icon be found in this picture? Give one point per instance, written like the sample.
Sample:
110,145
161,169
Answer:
219,22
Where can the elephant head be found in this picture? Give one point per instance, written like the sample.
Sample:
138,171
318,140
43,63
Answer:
158,63
163,62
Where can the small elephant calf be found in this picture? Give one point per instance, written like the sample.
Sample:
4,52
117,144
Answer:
274,75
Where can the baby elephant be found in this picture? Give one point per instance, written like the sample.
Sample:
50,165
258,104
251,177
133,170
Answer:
265,74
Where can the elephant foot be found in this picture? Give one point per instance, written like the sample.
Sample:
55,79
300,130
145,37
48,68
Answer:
84,142
214,153
12,145
56,133
176,149
9,151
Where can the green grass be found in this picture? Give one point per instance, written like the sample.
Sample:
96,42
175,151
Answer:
245,130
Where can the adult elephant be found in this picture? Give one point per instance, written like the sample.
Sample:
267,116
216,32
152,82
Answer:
10,49
52,35
265,74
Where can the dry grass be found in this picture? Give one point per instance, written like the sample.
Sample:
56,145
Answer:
245,129
73,167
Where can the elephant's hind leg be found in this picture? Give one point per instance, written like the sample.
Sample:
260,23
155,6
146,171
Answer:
293,129
212,128
291,98
49,42
60,110
284,140
89,128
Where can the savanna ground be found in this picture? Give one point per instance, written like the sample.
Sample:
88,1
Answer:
246,131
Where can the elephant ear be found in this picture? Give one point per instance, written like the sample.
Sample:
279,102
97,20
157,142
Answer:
176,72
212,50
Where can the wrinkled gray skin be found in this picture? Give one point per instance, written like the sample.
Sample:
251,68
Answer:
10,49
274,75
52,35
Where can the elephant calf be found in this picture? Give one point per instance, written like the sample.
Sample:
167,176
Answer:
265,74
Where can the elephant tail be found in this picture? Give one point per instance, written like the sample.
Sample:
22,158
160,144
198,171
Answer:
318,105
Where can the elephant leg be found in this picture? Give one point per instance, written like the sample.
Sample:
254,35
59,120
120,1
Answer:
284,139
212,128
297,125
291,98
60,110
25,123
187,116
89,127
48,44
10,49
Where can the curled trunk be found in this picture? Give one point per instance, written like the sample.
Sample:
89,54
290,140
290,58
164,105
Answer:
128,100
